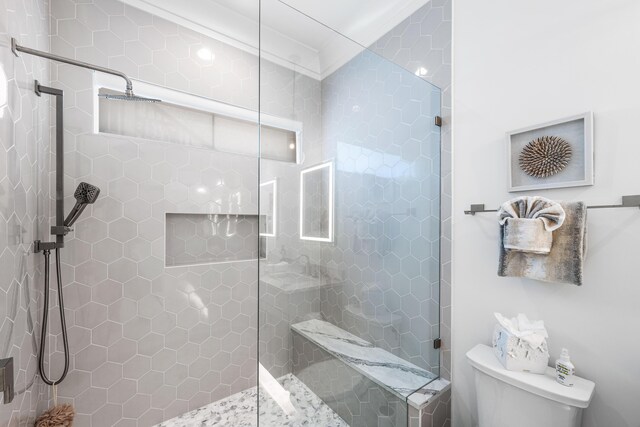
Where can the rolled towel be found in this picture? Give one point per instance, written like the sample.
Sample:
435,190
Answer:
564,264
528,223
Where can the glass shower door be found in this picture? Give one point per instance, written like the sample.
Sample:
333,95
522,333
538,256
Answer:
350,224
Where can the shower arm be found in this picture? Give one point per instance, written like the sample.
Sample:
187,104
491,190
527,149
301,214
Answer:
15,48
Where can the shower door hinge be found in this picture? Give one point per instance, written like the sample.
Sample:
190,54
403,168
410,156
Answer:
437,343
438,121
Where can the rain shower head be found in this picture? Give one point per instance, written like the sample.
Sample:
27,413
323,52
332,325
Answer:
129,96
85,194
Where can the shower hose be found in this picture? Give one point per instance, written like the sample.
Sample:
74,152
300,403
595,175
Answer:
45,320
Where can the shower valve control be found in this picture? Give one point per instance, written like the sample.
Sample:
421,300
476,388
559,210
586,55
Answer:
39,246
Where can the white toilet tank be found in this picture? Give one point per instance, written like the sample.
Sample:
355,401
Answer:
508,399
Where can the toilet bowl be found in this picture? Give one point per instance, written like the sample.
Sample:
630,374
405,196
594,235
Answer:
506,398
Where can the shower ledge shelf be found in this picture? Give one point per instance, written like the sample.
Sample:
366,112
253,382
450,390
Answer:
404,379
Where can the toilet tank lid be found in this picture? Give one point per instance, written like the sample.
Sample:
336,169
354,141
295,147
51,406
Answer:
482,358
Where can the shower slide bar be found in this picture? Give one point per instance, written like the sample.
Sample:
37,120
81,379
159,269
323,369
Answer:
627,202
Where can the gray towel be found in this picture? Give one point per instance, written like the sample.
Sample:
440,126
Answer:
564,263
528,223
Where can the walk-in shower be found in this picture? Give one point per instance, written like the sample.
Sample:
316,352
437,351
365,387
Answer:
262,247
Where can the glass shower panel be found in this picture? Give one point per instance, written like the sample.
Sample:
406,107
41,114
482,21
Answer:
160,273
349,282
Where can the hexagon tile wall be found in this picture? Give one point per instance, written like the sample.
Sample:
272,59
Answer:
24,186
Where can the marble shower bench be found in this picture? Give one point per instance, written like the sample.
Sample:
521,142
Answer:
346,371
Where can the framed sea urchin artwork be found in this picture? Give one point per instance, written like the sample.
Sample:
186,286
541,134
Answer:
555,154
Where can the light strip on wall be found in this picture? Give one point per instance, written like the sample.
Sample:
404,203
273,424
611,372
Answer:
274,215
328,165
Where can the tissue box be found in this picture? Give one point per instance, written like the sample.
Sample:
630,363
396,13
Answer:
516,354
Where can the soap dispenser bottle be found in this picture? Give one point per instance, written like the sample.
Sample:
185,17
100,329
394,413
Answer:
564,369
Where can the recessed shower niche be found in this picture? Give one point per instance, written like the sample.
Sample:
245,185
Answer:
193,239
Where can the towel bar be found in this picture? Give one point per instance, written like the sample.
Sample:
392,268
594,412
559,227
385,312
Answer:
627,202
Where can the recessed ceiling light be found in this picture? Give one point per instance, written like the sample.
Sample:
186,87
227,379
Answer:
292,146
421,72
205,54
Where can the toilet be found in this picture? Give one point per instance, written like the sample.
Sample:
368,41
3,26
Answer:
508,399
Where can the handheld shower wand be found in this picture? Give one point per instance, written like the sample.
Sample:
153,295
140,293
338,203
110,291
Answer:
85,195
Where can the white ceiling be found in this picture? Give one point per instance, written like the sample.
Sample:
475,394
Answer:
293,33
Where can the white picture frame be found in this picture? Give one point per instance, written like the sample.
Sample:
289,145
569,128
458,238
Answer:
577,130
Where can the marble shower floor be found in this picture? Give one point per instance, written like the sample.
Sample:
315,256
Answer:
239,410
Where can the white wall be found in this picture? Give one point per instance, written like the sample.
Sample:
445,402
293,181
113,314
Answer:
518,63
